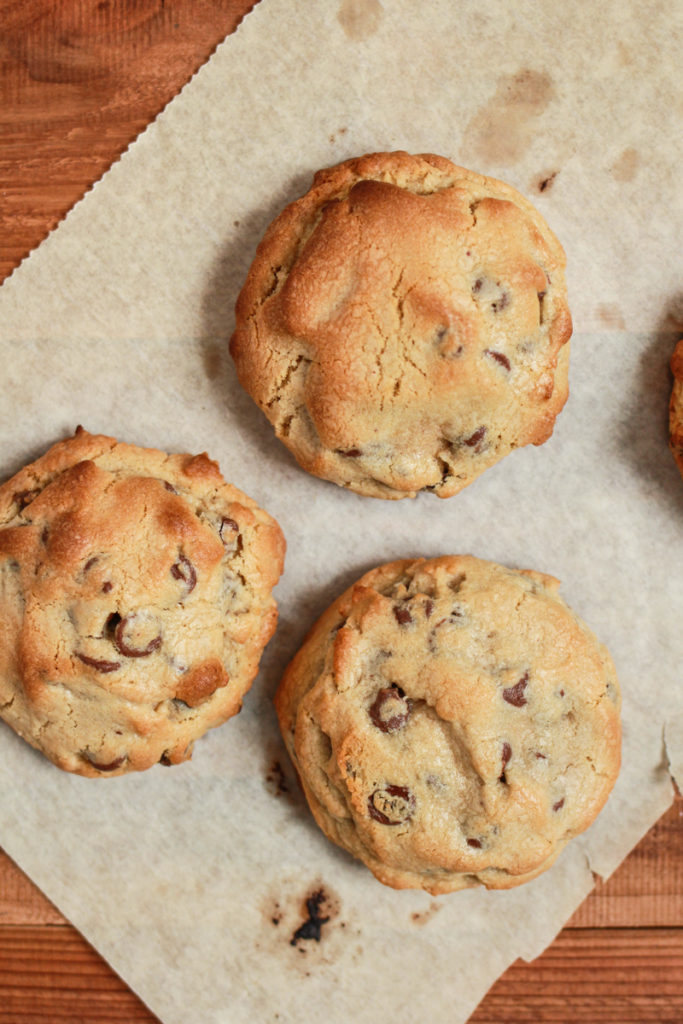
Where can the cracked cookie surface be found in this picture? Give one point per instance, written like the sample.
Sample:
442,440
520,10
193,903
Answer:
453,723
404,325
135,597
676,406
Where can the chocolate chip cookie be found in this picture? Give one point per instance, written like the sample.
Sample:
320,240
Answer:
135,600
453,723
404,325
676,406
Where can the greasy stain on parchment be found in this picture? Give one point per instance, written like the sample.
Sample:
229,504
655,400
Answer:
502,129
360,18
625,166
611,317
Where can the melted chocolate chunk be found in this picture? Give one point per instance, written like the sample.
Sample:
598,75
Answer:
515,694
507,754
310,929
499,357
184,570
402,615
558,805
122,642
110,767
24,498
391,805
227,526
350,453
391,709
501,302
99,663
429,607
169,487
475,439
475,843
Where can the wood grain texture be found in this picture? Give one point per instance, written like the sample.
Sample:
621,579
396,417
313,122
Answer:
79,79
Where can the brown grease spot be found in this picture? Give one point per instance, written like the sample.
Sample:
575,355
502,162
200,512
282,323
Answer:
422,917
625,167
212,356
610,315
503,128
359,18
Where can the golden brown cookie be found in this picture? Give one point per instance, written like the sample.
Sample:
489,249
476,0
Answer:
404,325
453,723
135,600
676,406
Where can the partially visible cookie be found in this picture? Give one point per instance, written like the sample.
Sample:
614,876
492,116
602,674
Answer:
453,723
676,406
404,325
135,601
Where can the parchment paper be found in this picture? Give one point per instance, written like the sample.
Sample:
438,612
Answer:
192,880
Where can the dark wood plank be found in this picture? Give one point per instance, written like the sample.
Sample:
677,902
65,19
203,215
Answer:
594,976
618,976
79,80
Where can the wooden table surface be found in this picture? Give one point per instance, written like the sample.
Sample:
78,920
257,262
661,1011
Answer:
79,79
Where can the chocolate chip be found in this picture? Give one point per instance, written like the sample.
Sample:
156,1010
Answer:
429,607
89,564
391,805
474,843
478,285
390,709
506,755
184,570
515,694
99,663
109,767
169,487
107,586
501,302
558,805
498,356
402,615
475,439
227,524
24,498
122,642
350,453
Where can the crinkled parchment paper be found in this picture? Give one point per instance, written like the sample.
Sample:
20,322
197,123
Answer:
192,880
